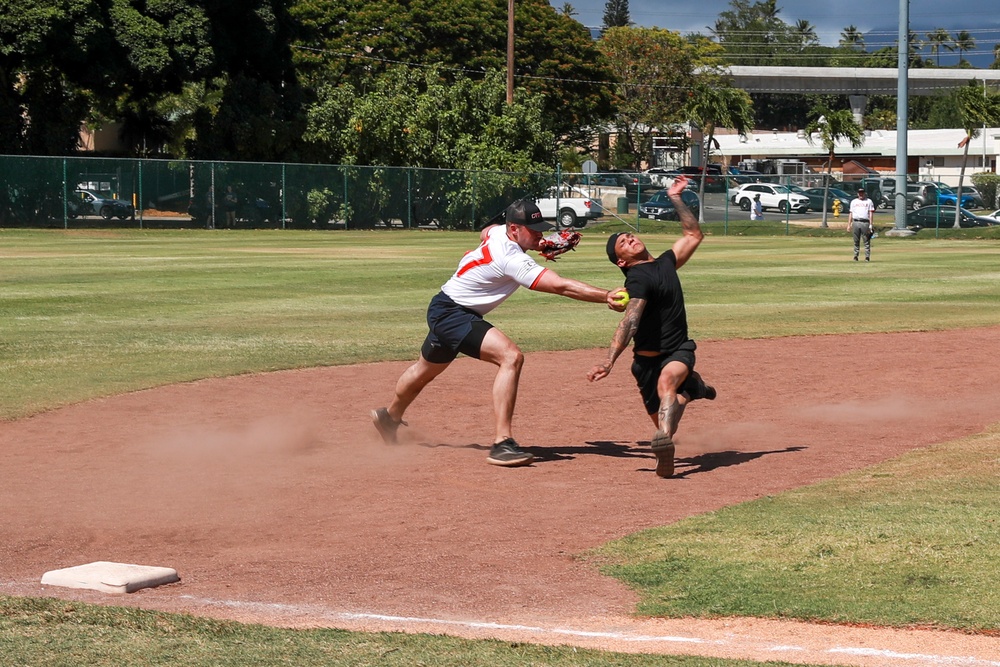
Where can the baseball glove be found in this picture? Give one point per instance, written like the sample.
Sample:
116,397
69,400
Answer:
557,243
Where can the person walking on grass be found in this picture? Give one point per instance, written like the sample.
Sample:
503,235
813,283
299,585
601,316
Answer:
655,319
860,222
485,278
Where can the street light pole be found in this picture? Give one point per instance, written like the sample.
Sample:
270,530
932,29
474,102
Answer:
510,51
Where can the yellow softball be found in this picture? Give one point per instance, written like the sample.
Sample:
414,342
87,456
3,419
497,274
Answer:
622,297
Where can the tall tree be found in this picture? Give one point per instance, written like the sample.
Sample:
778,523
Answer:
964,42
939,39
851,38
568,10
829,127
715,104
350,42
977,109
654,73
616,14
806,33
752,33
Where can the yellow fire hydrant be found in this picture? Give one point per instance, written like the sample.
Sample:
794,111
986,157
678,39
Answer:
836,208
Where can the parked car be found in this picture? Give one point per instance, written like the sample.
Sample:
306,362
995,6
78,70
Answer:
772,196
923,194
994,214
661,175
659,206
967,189
944,216
623,179
104,205
575,207
715,180
816,199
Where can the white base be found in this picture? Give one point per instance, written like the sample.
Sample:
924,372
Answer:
111,577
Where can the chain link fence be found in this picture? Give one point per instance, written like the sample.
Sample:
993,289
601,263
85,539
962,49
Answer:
71,192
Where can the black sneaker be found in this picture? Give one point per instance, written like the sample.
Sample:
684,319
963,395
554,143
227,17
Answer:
696,388
507,453
386,425
663,448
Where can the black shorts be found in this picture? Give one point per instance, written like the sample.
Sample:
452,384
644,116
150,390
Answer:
453,329
646,371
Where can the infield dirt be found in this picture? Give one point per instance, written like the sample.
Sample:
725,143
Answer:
276,502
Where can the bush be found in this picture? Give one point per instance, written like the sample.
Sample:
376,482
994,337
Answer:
988,184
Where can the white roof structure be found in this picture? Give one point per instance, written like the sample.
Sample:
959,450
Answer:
930,143
855,80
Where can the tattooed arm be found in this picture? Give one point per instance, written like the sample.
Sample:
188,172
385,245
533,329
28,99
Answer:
692,236
620,341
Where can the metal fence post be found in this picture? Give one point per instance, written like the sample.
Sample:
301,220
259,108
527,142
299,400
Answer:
284,215
65,196
409,198
139,203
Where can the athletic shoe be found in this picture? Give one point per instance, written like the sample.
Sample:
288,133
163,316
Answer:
386,425
507,453
663,447
700,389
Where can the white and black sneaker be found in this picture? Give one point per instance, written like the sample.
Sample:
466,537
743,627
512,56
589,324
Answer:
508,453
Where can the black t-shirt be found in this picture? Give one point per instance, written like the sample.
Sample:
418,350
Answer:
663,326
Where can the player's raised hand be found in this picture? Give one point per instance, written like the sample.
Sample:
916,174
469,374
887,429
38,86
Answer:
677,187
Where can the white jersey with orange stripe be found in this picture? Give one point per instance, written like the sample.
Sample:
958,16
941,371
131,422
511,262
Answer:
492,272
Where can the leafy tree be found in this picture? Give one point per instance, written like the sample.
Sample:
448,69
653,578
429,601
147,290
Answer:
616,14
65,62
939,39
977,109
568,10
831,127
655,74
751,33
713,105
354,41
448,123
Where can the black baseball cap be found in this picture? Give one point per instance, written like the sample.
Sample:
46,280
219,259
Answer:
613,253
525,212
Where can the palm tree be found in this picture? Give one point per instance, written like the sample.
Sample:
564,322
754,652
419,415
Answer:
568,10
832,126
939,39
852,39
996,56
964,42
806,33
715,106
976,110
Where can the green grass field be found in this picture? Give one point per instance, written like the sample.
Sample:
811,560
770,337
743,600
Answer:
97,312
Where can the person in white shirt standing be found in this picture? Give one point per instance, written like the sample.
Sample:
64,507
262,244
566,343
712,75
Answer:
484,279
859,221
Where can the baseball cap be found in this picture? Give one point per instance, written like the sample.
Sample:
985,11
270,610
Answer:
524,212
612,253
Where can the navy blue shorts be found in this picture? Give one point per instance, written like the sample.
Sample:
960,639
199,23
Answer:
646,371
453,329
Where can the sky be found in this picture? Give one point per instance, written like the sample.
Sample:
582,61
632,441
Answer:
879,18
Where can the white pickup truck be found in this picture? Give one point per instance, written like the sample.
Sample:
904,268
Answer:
569,206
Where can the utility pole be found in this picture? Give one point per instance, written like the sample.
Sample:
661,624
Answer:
902,116
510,51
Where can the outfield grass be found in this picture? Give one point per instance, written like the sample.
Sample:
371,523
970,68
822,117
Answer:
93,313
